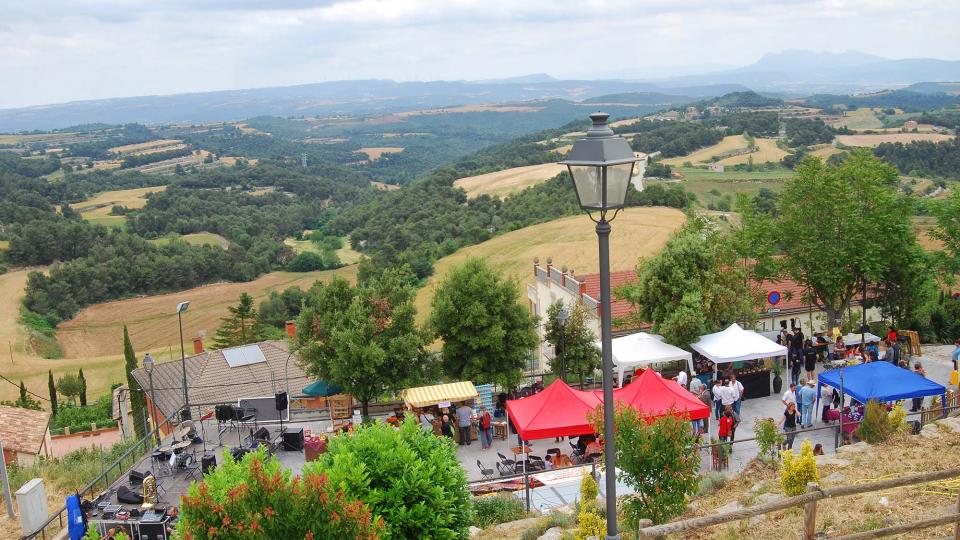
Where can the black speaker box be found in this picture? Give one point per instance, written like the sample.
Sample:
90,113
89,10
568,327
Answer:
224,413
293,439
281,401
152,531
136,477
262,434
208,463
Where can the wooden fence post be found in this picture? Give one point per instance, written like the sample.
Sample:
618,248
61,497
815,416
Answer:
810,513
956,526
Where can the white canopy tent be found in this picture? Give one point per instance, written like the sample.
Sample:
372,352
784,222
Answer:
736,345
854,339
643,349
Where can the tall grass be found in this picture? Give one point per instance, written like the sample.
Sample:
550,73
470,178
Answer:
72,471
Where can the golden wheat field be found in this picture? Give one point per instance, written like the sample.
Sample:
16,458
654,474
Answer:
873,141
507,181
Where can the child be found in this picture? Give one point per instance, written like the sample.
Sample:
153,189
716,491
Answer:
726,425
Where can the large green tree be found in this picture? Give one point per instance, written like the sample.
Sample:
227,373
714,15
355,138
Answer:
693,287
487,335
138,402
573,342
363,338
70,387
240,327
840,226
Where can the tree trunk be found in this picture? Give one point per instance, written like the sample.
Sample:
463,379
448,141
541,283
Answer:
833,315
365,409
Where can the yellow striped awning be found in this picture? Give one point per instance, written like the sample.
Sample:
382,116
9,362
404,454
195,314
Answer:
439,393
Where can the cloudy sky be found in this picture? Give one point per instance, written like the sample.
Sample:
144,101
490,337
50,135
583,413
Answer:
63,50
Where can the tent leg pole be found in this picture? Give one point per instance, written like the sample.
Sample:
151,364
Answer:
526,477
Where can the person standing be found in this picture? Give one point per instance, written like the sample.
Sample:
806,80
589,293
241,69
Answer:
426,421
483,425
797,342
737,390
717,398
695,385
888,352
790,396
839,349
464,422
446,426
918,402
705,398
728,395
726,425
827,397
891,334
789,423
796,366
873,352
897,357
809,358
681,378
955,355
808,396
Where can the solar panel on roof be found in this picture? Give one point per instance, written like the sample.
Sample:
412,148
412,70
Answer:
243,356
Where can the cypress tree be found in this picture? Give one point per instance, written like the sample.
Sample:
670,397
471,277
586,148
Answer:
23,392
137,400
53,393
83,389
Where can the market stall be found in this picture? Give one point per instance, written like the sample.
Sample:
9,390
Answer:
881,381
852,339
744,351
643,349
652,394
557,411
440,399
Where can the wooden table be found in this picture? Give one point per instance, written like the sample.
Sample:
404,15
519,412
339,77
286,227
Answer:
518,450
499,430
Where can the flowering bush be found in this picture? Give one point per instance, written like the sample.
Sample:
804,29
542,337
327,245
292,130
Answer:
256,499
407,476
590,524
588,491
796,472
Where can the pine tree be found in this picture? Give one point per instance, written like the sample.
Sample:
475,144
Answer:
23,393
53,393
137,399
83,389
240,327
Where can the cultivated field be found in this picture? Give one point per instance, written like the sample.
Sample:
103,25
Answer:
571,241
502,183
196,239
703,155
375,153
346,254
862,118
823,151
701,182
767,151
383,186
148,147
97,330
97,209
873,141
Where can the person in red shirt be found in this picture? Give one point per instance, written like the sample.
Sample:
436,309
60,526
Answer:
726,425
891,334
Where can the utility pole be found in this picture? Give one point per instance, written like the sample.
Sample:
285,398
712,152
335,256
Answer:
6,483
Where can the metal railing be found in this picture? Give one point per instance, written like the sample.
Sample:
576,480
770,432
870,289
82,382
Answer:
109,475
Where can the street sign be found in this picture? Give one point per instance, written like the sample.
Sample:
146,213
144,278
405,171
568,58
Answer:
773,298
773,310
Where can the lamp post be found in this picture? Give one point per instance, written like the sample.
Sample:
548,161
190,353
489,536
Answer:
562,317
148,367
185,415
601,165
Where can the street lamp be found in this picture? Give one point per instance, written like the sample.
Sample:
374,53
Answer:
601,165
562,317
185,415
148,367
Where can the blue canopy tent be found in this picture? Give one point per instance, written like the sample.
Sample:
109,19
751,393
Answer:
881,381
322,389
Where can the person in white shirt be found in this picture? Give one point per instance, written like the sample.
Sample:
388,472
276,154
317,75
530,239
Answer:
681,378
729,395
737,387
790,396
696,385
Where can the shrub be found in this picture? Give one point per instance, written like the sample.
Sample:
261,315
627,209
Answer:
92,534
557,519
257,498
590,524
796,472
897,419
875,426
768,436
77,417
659,460
496,509
408,477
711,482
589,490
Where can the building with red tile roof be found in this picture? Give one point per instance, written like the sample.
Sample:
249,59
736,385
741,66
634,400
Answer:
25,434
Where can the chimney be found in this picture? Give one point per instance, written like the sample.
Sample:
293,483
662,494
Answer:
291,329
197,345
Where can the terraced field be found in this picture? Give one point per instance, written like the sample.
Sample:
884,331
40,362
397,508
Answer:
507,181
97,209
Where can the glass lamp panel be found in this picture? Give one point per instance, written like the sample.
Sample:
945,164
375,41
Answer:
587,181
618,180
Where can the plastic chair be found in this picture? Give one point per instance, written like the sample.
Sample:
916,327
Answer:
488,474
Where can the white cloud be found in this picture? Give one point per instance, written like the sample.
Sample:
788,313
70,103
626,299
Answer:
62,50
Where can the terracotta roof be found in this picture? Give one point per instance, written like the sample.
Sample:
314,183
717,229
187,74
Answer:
618,308
23,430
210,380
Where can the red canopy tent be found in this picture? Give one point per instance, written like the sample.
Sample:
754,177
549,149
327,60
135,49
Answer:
557,411
655,395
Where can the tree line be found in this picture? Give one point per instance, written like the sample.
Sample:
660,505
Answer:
923,158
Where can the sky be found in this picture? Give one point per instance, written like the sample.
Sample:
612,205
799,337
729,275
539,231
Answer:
54,51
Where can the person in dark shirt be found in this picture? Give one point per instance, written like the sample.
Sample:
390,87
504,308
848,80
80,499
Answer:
809,358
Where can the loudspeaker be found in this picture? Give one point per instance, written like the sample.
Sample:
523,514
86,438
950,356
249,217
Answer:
281,399
127,496
262,434
208,463
152,531
136,477
293,440
224,413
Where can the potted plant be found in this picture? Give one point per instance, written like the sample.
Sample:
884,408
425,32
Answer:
777,369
